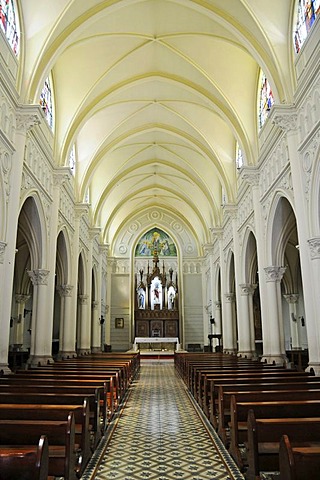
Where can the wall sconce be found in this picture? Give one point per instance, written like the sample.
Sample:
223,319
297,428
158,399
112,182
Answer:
101,320
25,312
212,321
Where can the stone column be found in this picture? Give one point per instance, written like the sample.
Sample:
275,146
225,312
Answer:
18,332
273,341
41,337
312,322
247,338
229,325
95,333
84,341
107,330
286,118
67,338
292,299
12,165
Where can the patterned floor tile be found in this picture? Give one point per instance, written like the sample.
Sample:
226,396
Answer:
160,434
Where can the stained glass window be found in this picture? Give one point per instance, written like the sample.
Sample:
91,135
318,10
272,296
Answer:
308,10
9,24
72,160
266,100
46,102
239,156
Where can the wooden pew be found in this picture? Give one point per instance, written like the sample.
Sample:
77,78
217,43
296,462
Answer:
81,390
264,440
25,462
312,383
298,463
37,398
57,413
264,409
257,396
250,377
61,440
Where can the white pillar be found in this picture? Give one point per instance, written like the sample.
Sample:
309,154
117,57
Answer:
273,341
285,117
41,337
27,117
67,338
246,325
18,333
229,325
84,338
95,327
292,299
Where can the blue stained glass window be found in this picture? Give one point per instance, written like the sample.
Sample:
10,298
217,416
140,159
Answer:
72,159
47,103
308,10
9,24
239,156
266,100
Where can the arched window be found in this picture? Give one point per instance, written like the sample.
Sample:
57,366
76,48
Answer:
307,13
46,102
266,100
239,156
9,24
72,160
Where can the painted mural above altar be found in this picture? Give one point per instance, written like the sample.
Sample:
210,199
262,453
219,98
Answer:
155,240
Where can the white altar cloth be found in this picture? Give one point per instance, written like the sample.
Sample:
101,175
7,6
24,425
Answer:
138,340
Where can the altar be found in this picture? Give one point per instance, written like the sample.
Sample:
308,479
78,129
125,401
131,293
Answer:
156,340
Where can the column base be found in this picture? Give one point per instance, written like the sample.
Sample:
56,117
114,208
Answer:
4,369
65,355
39,360
315,367
275,359
230,351
96,350
83,351
247,354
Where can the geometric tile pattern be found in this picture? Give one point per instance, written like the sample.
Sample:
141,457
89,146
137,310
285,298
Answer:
160,434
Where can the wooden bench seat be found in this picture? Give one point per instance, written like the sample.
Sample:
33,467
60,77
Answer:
264,409
224,402
298,462
57,413
61,440
37,398
25,462
264,437
275,384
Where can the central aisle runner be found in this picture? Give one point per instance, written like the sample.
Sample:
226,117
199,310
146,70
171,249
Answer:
160,435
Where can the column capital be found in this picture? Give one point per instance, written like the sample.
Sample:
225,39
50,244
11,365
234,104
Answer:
60,176
208,248
83,299
231,209
94,232
81,209
21,298
2,250
39,277
291,297
65,290
274,274
250,175
217,233
230,297
104,249
285,117
314,246
27,117
247,288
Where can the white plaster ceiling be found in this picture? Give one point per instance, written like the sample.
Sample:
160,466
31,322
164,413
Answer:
155,94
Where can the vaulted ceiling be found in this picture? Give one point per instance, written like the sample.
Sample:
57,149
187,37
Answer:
154,94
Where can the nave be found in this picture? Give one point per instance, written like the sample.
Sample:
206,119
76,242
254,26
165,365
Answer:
160,434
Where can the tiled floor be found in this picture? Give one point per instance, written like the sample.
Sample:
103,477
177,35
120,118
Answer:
161,435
